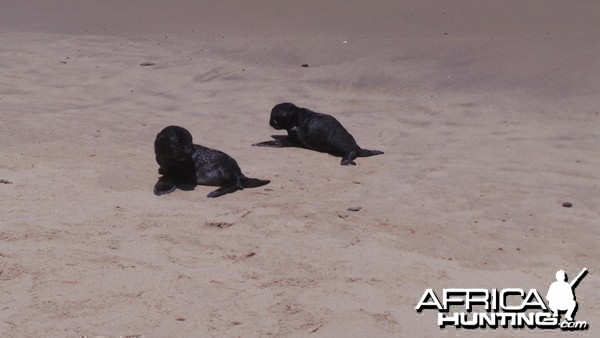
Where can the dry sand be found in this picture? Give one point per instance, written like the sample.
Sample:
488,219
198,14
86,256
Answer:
488,113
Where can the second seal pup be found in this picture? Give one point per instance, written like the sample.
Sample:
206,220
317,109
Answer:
184,165
316,131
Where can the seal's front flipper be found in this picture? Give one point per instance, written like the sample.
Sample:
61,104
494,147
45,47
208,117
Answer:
163,186
273,144
279,141
222,191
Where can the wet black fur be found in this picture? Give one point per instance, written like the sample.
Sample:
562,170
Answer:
184,165
316,131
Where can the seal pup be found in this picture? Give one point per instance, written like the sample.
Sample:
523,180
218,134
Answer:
316,131
184,165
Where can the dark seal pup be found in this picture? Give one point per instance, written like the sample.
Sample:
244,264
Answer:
316,131
184,165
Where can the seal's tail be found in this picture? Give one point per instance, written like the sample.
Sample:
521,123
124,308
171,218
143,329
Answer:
253,182
367,153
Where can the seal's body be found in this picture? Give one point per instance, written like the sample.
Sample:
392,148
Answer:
316,131
184,165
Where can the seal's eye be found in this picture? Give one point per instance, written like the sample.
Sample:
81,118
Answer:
275,121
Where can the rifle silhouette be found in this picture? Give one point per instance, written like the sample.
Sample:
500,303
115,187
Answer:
576,280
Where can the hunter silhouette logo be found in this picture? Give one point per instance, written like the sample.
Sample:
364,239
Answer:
561,296
509,307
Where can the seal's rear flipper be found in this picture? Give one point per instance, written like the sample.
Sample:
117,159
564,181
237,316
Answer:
163,186
367,153
349,158
279,141
222,191
253,182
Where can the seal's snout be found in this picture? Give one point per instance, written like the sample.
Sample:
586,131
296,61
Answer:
275,123
182,152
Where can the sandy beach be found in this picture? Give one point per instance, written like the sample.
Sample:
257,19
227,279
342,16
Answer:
488,113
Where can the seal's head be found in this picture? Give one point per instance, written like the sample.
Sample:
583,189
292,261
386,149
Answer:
174,143
282,114
560,276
